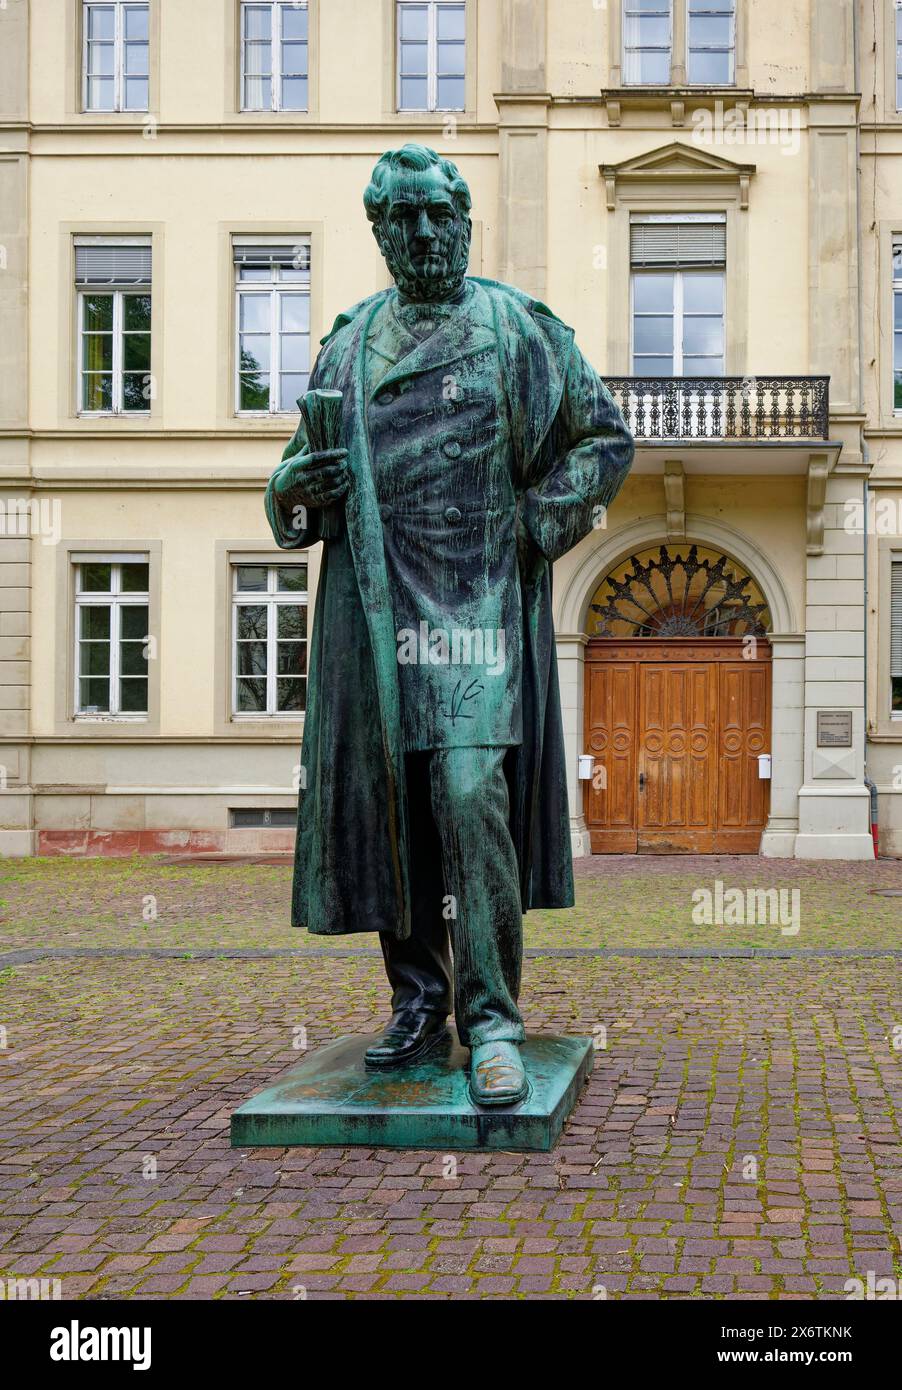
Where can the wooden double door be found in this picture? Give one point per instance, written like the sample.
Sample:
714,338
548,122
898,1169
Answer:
675,727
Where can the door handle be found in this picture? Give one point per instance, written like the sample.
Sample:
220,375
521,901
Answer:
642,781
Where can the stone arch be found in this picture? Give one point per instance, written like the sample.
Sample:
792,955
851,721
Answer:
574,601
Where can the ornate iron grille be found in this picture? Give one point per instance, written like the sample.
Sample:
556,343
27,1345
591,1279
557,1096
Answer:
673,595
724,407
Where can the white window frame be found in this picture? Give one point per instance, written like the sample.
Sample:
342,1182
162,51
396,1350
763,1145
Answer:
645,48
275,289
119,295
713,9
275,77
273,599
115,599
679,46
119,74
679,316
432,8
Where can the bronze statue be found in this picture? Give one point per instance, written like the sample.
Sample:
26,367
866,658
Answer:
477,446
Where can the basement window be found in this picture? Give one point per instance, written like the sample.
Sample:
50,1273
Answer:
263,818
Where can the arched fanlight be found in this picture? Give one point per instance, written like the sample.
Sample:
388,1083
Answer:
680,592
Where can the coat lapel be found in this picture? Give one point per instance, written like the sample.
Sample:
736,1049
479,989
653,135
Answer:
389,340
466,330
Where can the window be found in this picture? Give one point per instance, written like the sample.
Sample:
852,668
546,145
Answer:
431,55
897,325
711,42
111,622
647,41
895,659
112,281
269,639
273,325
263,818
116,56
274,57
678,294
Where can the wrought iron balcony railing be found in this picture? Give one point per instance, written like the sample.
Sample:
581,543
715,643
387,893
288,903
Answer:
724,407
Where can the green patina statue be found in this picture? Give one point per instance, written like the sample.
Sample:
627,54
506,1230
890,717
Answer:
478,446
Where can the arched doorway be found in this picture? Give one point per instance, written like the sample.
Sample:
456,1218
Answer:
677,704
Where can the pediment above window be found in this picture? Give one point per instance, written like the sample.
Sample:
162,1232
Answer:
676,166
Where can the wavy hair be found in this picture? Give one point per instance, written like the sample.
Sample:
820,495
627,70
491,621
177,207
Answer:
418,158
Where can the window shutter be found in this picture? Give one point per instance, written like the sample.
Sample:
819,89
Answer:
673,245
293,255
895,652
112,264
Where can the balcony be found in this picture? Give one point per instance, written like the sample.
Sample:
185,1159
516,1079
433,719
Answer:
724,408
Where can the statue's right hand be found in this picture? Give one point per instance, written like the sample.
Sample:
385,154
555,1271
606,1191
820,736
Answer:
313,480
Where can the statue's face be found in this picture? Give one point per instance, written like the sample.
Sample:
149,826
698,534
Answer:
423,237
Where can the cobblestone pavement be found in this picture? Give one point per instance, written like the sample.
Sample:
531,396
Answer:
739,1137
622,901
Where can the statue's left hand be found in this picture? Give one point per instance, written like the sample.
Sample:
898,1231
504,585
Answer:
313,480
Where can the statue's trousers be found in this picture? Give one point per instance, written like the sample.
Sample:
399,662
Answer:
465,891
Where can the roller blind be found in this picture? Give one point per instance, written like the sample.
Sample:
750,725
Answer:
895,657
112,264
294,255
672,245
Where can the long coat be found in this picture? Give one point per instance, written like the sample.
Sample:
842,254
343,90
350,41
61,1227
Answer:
572,453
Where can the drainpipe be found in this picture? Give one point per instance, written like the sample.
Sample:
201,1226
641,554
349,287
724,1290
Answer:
868,781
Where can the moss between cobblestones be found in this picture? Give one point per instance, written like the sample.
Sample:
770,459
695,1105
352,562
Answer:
109,1060
621,902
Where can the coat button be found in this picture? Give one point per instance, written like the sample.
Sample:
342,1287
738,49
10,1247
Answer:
453,514
386,398
451,450
385,512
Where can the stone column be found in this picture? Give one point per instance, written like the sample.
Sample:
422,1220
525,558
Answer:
834,805
16,800
571,648
523,146
832,46
787,744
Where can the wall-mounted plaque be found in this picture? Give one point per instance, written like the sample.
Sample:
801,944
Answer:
834,728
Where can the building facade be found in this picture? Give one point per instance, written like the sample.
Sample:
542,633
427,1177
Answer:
708,191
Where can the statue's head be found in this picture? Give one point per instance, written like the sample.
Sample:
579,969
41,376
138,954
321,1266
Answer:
419,207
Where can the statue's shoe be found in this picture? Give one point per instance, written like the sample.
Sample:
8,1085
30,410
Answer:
407,1039
497,1074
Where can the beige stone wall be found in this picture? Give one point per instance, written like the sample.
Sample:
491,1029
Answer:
191,202
808,290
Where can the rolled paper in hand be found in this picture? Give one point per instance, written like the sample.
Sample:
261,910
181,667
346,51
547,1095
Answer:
321,413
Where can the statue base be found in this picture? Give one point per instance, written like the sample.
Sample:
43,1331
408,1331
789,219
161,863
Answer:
331,1098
